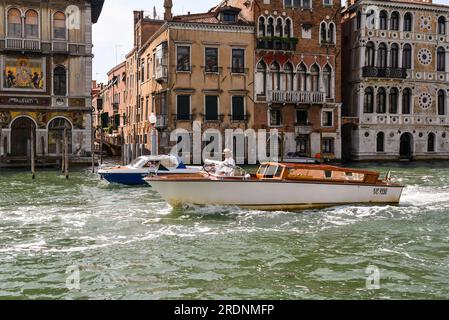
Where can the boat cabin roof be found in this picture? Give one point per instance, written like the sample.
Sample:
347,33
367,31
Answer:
294,171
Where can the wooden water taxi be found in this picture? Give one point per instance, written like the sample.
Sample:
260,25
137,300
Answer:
279,186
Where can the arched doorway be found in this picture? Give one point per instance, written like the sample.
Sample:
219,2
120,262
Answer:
406,145
56,135
348,131
21,130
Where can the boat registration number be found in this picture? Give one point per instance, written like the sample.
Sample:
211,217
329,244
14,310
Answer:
380,191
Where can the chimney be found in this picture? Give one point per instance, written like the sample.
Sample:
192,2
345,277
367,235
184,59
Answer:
168,5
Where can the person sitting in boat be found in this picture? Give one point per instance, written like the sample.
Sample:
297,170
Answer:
225,167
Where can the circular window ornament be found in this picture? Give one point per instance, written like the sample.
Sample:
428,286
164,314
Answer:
366,134
425,56
425,100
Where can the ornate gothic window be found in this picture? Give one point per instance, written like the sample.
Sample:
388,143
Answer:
382,56
394,95
406,101
394,21
394,56
302,77
442,25
441,103
14,23
441,59
369,54
381,101
368,100
408,22
407,56
383,20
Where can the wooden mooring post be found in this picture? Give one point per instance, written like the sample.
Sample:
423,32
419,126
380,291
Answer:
66,154
33,154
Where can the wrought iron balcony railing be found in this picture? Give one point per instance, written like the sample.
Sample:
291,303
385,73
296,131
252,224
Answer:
377,72
277,43
309,97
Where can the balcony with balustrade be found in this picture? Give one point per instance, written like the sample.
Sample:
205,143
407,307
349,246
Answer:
296,97
22,44
277,43
384,72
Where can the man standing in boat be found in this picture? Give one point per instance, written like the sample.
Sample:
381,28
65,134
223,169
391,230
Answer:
225,167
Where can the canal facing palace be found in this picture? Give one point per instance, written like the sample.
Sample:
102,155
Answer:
45,88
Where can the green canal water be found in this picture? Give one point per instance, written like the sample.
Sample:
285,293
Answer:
127,243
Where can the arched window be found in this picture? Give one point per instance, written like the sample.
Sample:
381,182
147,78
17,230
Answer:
270,28
441,103
442,25
302,77
323,32
261,80
381,101
288,71
394,56
14,23
288,28
407,56
406,101
275,70
431,142
408,22
383,20
394,95
31,24
368,101
331,33
369,54
279,28
60,81
59,26
382,56
394,21
380,143
441,59
315,78
56,129
327,78
262,31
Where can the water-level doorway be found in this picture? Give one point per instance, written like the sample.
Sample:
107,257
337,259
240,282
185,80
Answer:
21,130
406,147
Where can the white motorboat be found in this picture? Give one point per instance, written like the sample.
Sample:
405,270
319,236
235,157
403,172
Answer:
279,186
134,173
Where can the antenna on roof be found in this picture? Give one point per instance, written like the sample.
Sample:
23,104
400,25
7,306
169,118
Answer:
154,13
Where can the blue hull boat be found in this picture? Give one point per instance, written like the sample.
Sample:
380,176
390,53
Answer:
134,173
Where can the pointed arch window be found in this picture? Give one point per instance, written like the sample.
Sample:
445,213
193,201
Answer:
262,31
59,26
408,22
275,70
368,100
302,77
288,70
327,78
14,23
331,33
270,27
261,78
315,78
279,28
31,24
288,28
323,32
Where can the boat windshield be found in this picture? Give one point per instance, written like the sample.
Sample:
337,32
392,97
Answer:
270,171
138,163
